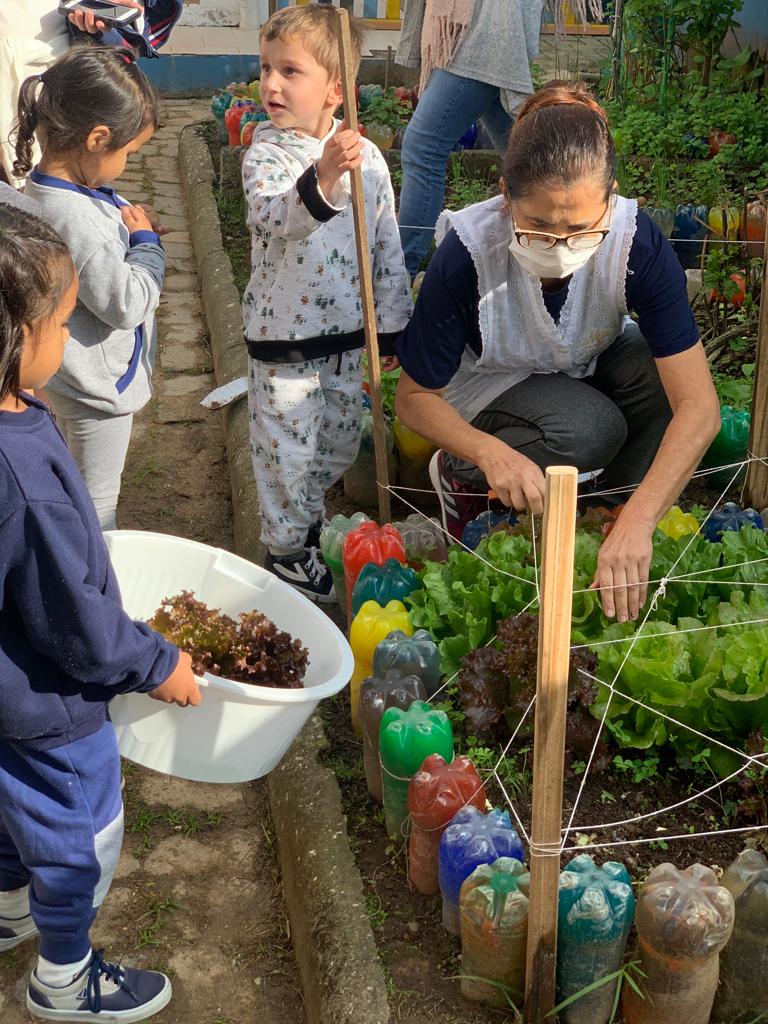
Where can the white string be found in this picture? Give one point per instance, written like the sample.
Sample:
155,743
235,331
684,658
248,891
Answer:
556,849
581,847
672,632
673,241
659,592
749,759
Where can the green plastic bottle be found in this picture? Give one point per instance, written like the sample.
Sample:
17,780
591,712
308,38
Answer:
331,543
729,446
494,931
406,738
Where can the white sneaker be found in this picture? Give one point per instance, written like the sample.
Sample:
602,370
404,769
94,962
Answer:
15,930
103,993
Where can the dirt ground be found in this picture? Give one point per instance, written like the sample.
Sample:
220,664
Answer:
197,891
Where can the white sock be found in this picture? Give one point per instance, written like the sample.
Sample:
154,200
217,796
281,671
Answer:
14,904
60,975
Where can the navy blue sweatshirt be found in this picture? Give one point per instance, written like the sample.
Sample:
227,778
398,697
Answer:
66,645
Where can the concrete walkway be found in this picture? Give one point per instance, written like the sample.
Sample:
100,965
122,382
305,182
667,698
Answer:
197,891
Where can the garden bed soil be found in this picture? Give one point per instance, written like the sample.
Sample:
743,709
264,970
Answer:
422,962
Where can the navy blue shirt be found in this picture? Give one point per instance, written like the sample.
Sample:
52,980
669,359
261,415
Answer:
445,319
66,645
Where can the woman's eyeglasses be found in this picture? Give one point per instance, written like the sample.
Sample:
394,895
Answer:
577,240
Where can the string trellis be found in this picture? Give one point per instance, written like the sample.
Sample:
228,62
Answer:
585,830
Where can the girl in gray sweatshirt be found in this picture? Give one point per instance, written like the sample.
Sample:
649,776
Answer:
92,109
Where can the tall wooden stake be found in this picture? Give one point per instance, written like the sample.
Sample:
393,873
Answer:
757,472
364,273
556,588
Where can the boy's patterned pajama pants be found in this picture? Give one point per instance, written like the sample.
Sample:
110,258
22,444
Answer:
305,432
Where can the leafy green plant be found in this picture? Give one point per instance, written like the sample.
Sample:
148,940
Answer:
387,109
463,189
252,649
641,770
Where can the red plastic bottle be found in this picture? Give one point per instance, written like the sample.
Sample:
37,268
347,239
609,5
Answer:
368,542
435,794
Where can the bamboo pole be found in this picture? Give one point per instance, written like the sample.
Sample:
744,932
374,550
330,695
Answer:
364,274
757,472
555,598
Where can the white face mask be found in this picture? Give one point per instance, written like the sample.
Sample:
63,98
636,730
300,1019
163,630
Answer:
557,262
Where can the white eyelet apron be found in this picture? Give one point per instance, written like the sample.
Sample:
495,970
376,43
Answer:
519,336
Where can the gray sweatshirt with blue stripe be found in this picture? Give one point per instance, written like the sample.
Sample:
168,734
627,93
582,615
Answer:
108,360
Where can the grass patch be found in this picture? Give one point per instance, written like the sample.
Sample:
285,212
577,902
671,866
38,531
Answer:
152,921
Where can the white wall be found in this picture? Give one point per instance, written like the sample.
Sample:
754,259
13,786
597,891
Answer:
246,14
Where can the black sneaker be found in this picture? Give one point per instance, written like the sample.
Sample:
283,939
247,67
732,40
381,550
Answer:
313,534
459,503
103,993
306,573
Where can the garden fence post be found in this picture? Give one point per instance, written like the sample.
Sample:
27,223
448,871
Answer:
555,598
757,472
364,271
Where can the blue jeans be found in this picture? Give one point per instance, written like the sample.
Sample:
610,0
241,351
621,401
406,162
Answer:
449,106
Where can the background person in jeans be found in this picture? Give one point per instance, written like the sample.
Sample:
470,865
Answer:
520,355
475,65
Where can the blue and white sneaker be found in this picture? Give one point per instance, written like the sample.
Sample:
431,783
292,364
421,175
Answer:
103,993
15,930
306,573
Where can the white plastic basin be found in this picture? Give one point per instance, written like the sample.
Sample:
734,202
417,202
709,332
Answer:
239,731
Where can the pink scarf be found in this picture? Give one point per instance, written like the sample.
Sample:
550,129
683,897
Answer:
445,22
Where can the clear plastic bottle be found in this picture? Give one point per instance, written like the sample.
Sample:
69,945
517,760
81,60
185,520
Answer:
743,993
377,693
595,911
494,931
684,918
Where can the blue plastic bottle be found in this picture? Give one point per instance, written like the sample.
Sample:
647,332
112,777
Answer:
472,838
595,912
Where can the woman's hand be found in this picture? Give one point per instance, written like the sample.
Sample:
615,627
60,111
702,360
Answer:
88,22
622,568
518,482
388,363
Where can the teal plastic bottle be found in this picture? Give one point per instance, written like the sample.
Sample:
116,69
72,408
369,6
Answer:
595,911
743,993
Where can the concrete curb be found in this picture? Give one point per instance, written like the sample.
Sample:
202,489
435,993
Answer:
341,976
221,304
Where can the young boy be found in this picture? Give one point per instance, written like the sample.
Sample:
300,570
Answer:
302,308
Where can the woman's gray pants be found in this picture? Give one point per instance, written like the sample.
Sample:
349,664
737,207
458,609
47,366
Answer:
613,420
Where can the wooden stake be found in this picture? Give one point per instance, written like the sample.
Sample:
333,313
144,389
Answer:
556,589
364,272
756,491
